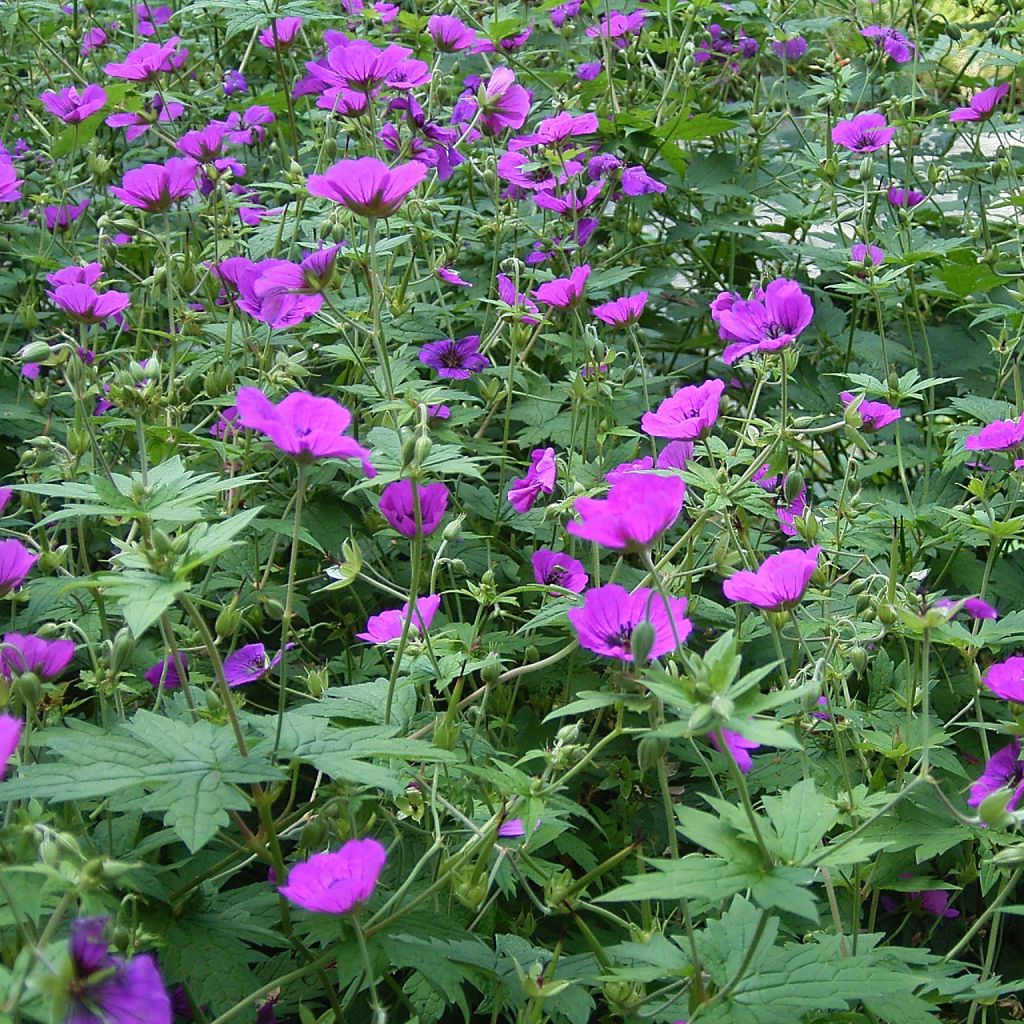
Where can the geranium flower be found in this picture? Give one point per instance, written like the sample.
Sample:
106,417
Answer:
564,292
637,182
281,33
10,736
737,747
90,273
398,506
1003,770
234,82
688,414
609,616
516,300
503,103
72,106
540,478
771,320
83,303
94,38
155,187
996,437
16,562
449,33
1006,679
556,568
59,217
976,607
621,312
675,455
875,415
137,123
906,198
456,360
981,105
46,658
869,255
302,425
10,183
864,133
785,512
639,508
335,883
250,663
366,186
778,584
388,625
789,49
105,988
151,18
166,672
450,276
894,43
148,61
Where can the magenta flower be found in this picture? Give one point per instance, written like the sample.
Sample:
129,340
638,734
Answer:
1003,770
10,183
785,512
511,829
875,415
737,747
359,66
864,133
639,508
982,104
503,103
147,61
59,217
675,455
282,293
366,186
789,49
72,106
778,584
610,614
10,736
564,292
45,658
540,478
387,626
398,503
137,123
894,43
281,33
637,182
621,312
772,320
151,18
557,569
166,672
453,277
516,300
16,561
234,82
154,187
107,988
456,360
250,663
869,255
1006,679
90,273
996,437
94,38
83,303
449,33
905,198
688,414
302,425
335,883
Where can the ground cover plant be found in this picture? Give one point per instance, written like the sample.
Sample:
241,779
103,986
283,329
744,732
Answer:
512,512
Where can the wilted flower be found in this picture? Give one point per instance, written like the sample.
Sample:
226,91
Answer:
609,616
688,414
457,360
154,187
864,133
894,43
786,511
107,988
398,504
250,663
10,736
875,415
621,312
302,425
1003,770
137,123
15,563
450,276
981,105
334,883
366,186
72,106
556,568
778,584
996,437
540,478
639,508
737,747
563,292
388,625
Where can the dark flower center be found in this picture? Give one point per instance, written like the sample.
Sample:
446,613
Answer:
451,357
773,329
556,575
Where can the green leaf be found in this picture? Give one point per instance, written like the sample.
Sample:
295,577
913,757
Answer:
709,879
800,817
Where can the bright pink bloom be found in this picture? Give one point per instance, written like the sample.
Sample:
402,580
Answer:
88,274
61,217
639,508
155,187
738,748
137,123
151,18
688,414
45,658
10,183
564,292
387,626
1006,679
778,584
504,104
516,300
335,883
894,43
556,568
72,106
772,320
621,312
610,614
976,607
16,562
904,198
982,104
636,181
281,33
366,186
785,512
147,61
449,33
870,255
875,415
83,303
540,478
10,735
864,133
675,455
1003,770
450,276
996,437
303,425
398,503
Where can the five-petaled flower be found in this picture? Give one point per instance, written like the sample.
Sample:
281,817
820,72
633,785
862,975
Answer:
336,883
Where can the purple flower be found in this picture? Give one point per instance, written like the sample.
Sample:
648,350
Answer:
302,425
107,988
869,255
864,133
778,584
234,82
46,658
637,182
5,497
281,33
996,437
449,33
154,187
737,747
137,123
83,303
503,103
61,217
785,512
72,106
450,276
147,61
75,274
516,300
589,70
566,10
366,186
688,414
10,183
386,626
790,49
875,415
618,26
93,39
1003,770
398,503
894,43
457,360
621,312
166,672
551,568
675,455
1006,679
10,736
334,883
151,18
771,320
15,563
540,478
610,614
250,663
906,198
511,829
982,104
564,292
639,508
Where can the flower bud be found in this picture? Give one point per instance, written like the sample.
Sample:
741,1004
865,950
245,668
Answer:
650,750
35,352
446,733
992,809
317,682
78,441
491,671
121,649
642,641
791,487
228,620
421,449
